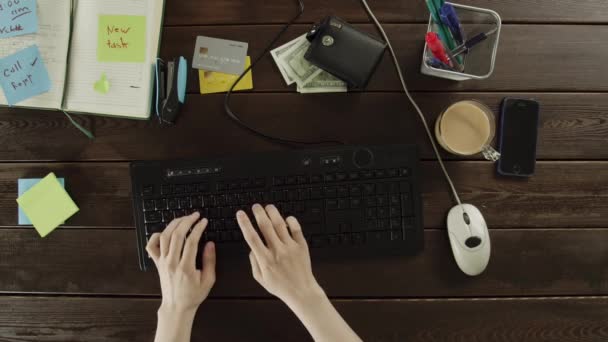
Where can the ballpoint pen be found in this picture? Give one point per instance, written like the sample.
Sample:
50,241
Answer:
436,47
448,16
472,42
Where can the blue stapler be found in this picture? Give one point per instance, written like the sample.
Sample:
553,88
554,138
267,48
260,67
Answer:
171,80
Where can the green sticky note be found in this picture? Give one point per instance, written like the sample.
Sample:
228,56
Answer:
47,205
121,38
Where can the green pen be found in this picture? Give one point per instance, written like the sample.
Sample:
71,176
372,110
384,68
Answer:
441,30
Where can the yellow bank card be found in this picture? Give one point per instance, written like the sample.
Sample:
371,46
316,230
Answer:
217,82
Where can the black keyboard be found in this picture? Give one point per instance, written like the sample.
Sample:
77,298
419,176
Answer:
350,200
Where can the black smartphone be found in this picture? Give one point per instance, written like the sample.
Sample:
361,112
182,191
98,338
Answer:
518,136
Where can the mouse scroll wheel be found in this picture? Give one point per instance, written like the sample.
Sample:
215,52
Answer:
466,218
473,242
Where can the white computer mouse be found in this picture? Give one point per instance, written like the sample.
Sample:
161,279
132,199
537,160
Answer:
469,238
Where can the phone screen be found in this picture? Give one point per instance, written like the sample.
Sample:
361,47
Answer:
518,136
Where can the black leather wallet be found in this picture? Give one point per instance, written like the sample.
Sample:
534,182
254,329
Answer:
343,51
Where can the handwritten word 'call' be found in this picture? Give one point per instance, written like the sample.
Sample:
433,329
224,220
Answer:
15,68
119,43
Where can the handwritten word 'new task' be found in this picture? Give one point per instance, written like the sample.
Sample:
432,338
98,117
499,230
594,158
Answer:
121,38
23,75
18,17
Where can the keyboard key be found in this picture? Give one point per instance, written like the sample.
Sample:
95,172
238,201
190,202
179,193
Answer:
331,204
371,224
340,176
152,228
165,189
393,188
185,203
214,213
148,205
316,179
378,237
383,224
233,185
395,200
232,199
405,187
172,203
299,208
383,212
370,201
406,205
366,174
395,211
292,195
291,180
221,186
318,241
167,216
345,227
178,189
381,188
237,235
392,172
197,201
395,223
153,217
405,172
371,213
358,238
227,212
303,194
316,193
342,191
355,203
190,188
333,240
209,200
369,189
355,190
160,204
278,195
382,200
379,173
329,177
179,213
346,239
302,179
266,197
148,190
278,181
396,235
353,176
311,229
203,187
342,203
243,198
259,182
245,183
330,192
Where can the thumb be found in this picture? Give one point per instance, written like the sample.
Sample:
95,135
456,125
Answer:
209,258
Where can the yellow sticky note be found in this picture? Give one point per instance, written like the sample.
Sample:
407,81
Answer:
121,38
217,82
47,205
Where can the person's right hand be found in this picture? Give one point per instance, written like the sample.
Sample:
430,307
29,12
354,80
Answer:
282,265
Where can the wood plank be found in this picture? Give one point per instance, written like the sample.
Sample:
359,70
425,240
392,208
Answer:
531,262
573,126
132,319
279,11
102,191
530,58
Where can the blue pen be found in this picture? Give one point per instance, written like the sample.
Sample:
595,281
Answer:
448,16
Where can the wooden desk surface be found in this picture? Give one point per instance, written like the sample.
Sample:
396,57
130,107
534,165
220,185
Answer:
548,276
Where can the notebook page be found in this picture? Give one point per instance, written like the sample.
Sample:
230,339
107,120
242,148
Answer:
130,91
52,39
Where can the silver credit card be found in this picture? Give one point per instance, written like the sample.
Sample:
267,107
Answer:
220,55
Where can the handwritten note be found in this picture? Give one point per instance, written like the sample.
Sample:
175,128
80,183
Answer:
24,75
18,17
121,38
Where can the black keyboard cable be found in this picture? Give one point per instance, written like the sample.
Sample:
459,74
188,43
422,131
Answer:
244,125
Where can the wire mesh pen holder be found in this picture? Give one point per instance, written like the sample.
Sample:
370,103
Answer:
479,61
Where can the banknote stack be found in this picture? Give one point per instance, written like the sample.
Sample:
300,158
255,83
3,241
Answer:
296,69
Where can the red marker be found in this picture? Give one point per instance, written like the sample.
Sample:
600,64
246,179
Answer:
432,40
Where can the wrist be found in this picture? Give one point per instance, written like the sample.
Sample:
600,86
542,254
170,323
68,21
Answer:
169,313
311,296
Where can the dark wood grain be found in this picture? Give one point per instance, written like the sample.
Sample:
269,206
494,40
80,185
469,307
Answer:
280,11
102,191
526,262
573,126
527,57
506,320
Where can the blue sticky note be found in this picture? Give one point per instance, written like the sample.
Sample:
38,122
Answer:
18,17
23,75
23,185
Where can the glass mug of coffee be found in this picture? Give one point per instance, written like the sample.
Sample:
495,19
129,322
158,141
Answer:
467,128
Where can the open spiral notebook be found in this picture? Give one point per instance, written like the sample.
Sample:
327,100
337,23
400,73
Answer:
68,41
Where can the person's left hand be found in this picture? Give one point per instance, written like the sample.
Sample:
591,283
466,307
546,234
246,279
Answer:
184,287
